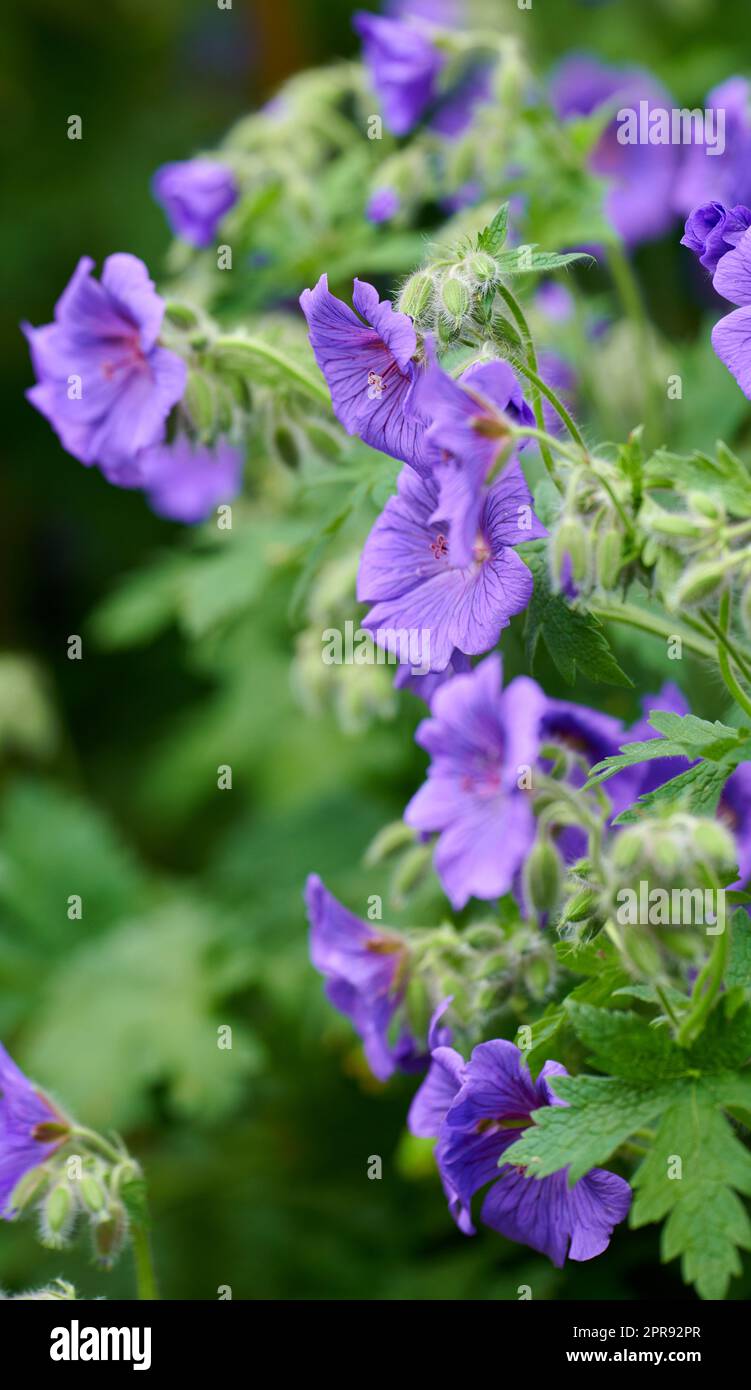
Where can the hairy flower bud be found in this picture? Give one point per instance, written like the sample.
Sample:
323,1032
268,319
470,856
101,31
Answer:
609,557
416,297
56,1216
455,298
700,582
543,875
570,542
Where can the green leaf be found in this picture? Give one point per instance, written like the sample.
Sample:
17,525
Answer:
738,970
684,736
695,1168
602,1112
621,1043
573,637
698,790
525,260
492,237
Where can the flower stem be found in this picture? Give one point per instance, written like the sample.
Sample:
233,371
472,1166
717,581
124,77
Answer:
529,348
724,651
146,1285
631,616
702,999
630,294
555,401
240,348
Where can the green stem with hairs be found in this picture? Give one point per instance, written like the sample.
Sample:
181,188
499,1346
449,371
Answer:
639,618
256,347
518,315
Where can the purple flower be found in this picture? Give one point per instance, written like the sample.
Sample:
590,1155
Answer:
104,384
480,740
731,337
407,571
555,301
369,368
638,203
25,1140
712,230
185,481
725,177
404,66
477,1110
383,204
446,13
469,427
364,971
592,736
195,194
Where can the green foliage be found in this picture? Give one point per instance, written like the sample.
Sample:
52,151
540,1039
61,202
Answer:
574,638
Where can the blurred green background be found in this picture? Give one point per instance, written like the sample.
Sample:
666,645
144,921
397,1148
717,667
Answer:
257,1159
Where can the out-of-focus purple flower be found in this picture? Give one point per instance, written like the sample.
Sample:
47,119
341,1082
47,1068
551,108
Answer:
195,195
369,368
104,384
364,971
407,571
555,301
383,205
30,1129
557,373
455,111
479,738
726,177
731,337
185,481
639,203
477,1110
447,14
469,426
592,736
404,66
712,230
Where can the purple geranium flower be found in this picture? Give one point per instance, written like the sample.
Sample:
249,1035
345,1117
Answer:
469,427
407,571
642,175
592,736
186,481
725,177
30,1129
404,66
383,204
480,740
477,1110
104,384
369,368
731,337
365,976
712,230
195,194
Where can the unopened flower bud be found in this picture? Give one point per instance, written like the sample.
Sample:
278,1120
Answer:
199,403
27,1188
91,1193
410,870
715,844
417,295
57,1216
710,507
455,298
581,906
109,1236
482,268
543,875
609,557
570,541
700,582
